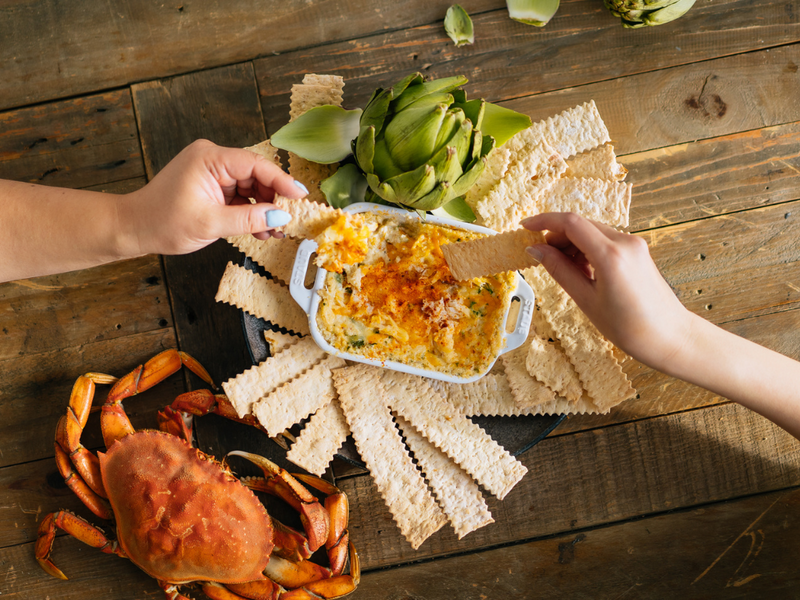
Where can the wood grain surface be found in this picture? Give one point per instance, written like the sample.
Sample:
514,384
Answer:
676,493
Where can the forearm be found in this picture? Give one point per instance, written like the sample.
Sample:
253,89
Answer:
758,378
45,230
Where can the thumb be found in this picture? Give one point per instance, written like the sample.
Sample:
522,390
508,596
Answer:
566,273
239,219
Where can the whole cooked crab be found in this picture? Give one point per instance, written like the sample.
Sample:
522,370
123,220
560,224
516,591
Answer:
181,516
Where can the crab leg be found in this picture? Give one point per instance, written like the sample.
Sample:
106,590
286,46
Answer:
94,502
77,528
338,513
199,403
265,590
279,482
113,421
71,425
171,591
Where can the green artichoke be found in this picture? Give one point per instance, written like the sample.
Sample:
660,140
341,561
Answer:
641,13
419,144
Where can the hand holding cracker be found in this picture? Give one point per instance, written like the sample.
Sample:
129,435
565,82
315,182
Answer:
612,278
204,194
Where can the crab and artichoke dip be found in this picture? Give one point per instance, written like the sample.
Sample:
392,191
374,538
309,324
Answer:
389,295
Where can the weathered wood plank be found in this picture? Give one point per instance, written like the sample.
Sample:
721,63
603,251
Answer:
75,143
732,266
55,51
510,60
714,176
660,464
44,314
92,575
35,390
727,550
692,102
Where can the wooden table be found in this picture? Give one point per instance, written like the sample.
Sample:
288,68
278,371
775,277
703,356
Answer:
675,494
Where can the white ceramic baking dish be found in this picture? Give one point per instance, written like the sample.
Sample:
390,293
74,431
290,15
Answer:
309,299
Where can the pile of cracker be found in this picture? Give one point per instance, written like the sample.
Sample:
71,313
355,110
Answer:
429,461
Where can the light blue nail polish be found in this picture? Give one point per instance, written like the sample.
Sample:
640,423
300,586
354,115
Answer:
301,186
277,218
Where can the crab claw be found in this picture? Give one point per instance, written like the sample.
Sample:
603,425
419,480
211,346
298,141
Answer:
281,483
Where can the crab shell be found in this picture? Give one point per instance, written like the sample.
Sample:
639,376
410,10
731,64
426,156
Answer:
180,515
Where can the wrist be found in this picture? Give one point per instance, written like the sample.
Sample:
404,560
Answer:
127,230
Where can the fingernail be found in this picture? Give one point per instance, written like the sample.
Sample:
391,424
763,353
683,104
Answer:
301,186
535,253
277,218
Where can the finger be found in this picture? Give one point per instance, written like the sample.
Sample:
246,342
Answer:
247,170
249,218
581,232
570,276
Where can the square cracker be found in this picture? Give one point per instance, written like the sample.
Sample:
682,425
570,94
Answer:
590,353
320,439
262,298
572,131
547,361
379,443
492,254
608,202
527,390
459,496
309,219
452,432
597,163
292,402
275,255
488,396
258,381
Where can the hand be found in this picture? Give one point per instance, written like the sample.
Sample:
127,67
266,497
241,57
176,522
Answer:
613,279
201,196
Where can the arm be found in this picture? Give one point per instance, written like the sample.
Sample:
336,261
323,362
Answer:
199,197
613,279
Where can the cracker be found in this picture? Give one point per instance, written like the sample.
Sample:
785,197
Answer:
459,496
547,361
311,175
262,298
379,443
453,433
598,163
590,353
316,90
258,381
534,168
294,401
320,439
488,396
309,219
562,406
277,341
608,202
275,255
267,150
572,131
526,389
492,254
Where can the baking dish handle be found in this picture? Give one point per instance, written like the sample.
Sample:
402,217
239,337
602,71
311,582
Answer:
297,285
527,300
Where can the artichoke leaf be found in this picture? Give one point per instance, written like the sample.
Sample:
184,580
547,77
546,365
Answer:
365,149
532,12
457,209
410,185
503,123
458,26
473,110
376,109
412,141
347,186
470,176
322,135
446,164
414,92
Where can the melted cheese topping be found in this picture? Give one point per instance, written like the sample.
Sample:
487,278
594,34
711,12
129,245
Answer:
389,295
